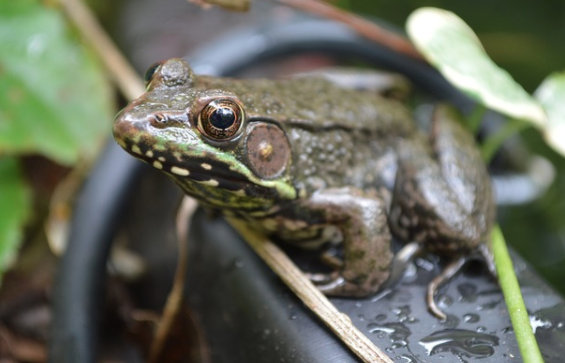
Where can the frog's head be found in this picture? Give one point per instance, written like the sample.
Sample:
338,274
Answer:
202,136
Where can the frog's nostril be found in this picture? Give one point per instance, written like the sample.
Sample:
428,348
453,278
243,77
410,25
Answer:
163,120
158,119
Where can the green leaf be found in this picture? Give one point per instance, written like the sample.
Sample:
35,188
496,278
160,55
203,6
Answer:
15,204
454,49
551,94
54,98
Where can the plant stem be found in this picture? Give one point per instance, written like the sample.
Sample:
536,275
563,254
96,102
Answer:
174,300
123,74
475,119
514,301
494,141
364,27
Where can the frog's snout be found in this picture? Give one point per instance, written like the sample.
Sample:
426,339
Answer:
126,127
121,129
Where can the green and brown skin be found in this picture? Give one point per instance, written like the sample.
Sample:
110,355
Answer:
309,162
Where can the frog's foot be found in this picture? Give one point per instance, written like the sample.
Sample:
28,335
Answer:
321,279
335,284
339,286
401,260
482,254
448,272
328,283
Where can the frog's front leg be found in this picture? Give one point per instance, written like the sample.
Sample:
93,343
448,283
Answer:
361,218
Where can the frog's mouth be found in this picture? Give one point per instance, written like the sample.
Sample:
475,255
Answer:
206,171
210,173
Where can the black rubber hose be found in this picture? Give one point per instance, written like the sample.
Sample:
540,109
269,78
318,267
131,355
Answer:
80,279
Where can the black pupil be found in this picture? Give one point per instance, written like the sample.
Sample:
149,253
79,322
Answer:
222,117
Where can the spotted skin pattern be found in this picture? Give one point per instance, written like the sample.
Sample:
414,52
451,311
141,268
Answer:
310,163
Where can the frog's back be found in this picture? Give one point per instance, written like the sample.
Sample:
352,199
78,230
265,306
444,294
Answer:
338,137
317,103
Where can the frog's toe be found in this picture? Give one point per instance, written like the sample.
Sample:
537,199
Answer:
401,261
448,272
339,286
333,287
320,279
452,269
335,284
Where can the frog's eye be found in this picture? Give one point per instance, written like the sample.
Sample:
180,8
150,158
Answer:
151,71
221,119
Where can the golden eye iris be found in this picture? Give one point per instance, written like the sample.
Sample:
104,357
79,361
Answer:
221,119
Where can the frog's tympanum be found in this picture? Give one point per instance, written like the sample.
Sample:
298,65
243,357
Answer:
310,163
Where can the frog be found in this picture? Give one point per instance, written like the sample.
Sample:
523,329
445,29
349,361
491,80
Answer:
309,162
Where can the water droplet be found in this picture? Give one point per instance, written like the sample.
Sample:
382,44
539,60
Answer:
460,342
424,264
489,306
361,317
402,310
238,263
481,329
408,359
468,292
293,317
444,301
471,318
399,344
537,322
375,328
380,317
451,322
396,331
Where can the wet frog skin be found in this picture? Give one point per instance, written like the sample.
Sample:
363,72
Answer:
308,163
